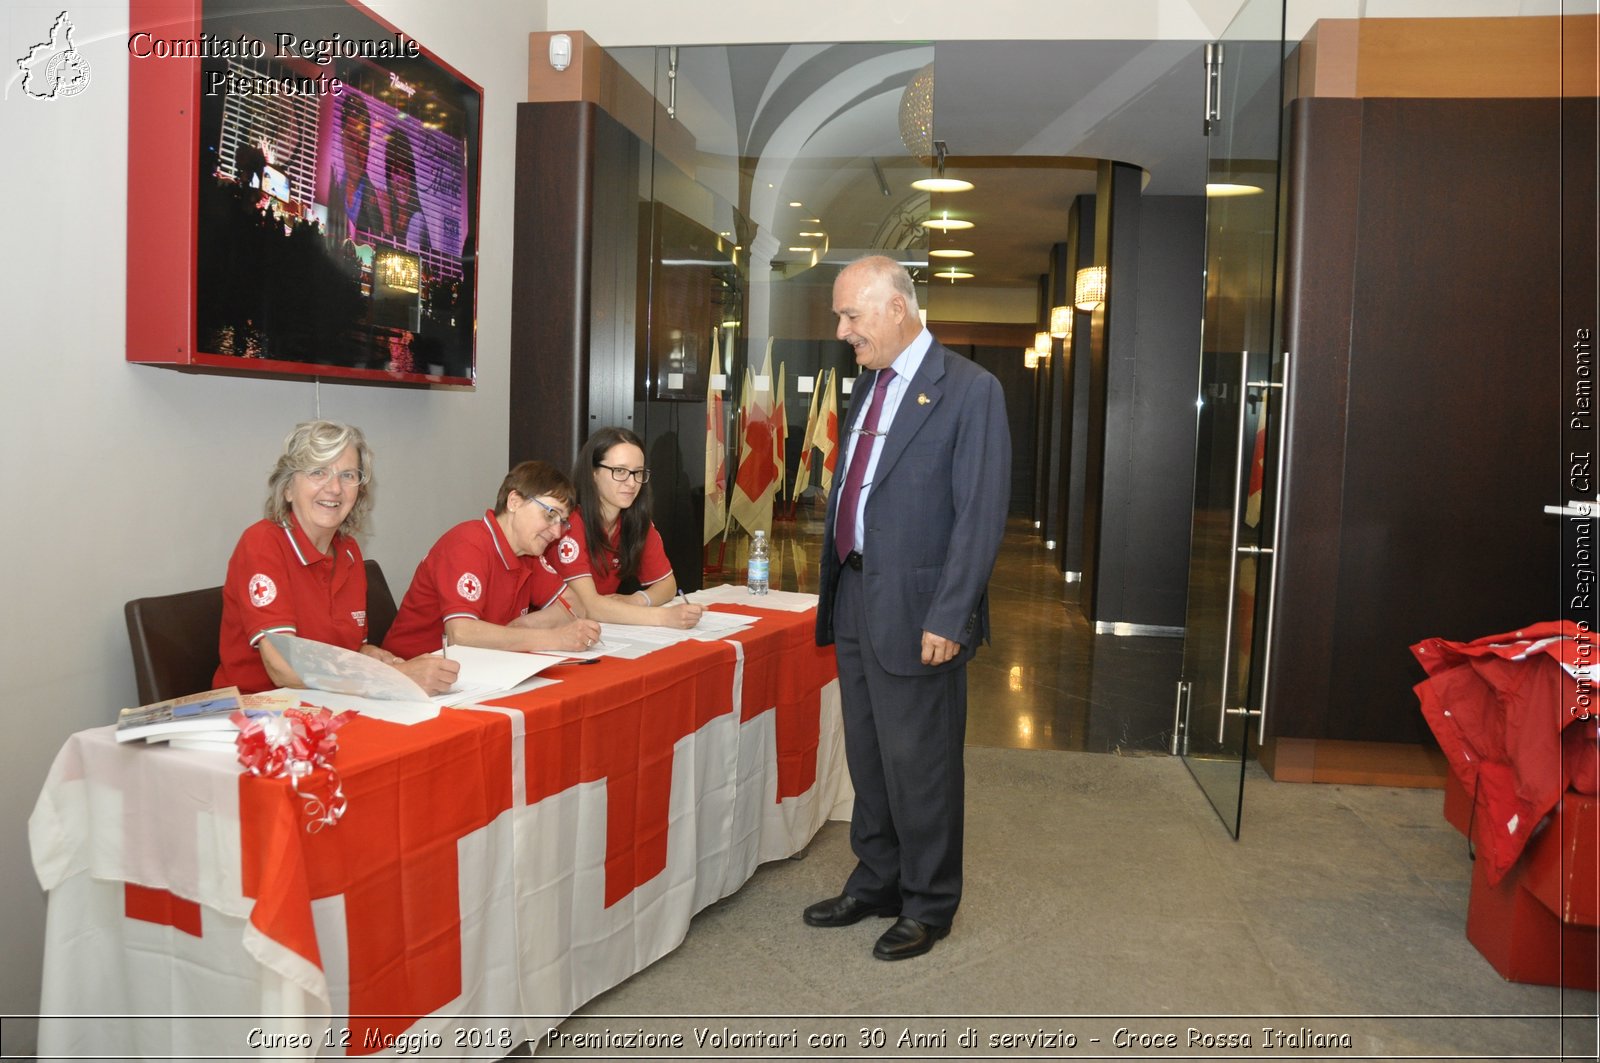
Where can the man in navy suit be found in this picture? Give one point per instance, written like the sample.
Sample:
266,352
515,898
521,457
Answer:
911,537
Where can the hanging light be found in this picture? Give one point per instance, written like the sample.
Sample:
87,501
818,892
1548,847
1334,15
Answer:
945,223
1061,322
1089,292
949,252
952,274
916,114
942,184
939,182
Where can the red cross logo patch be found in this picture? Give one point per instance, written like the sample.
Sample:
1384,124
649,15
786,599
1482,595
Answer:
262,590
469,587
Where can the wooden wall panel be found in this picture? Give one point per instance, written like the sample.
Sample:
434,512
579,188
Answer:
1465,58
1445,411
1324,160
550,261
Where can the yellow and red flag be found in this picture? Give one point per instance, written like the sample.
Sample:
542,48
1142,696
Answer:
826,439
755,482
780,432
716,518
802,474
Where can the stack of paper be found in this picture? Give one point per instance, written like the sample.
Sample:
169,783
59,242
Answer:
736,595
340,679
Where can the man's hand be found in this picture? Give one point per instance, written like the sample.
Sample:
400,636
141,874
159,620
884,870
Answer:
936,649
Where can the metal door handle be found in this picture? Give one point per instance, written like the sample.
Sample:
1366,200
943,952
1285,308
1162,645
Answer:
1279,480
1233,552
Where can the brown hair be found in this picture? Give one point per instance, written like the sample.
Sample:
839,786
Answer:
531,479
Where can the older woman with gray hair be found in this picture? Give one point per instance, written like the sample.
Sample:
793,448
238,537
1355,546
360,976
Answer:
299,571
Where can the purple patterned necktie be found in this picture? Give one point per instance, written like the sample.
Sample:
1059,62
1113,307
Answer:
844,532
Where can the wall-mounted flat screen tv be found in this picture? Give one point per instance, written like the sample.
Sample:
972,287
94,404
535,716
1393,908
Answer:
303,194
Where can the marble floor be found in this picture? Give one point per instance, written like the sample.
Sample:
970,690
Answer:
1103,895
1046,681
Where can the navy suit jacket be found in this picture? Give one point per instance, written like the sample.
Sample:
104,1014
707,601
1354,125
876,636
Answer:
935,515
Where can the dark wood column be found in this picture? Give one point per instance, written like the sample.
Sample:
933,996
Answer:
1075,366
550,262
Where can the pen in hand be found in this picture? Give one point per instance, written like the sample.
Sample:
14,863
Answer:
444,648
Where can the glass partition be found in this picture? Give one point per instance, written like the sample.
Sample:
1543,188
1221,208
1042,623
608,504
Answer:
771,166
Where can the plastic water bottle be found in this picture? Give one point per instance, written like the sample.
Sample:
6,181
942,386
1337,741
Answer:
756,573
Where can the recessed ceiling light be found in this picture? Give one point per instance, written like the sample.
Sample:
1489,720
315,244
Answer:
796,203
1222,188
942,184
954,274
950,252
814,234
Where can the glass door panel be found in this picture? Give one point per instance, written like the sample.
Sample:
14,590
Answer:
773,167
1239,387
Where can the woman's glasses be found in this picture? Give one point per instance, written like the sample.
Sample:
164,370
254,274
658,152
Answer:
618,473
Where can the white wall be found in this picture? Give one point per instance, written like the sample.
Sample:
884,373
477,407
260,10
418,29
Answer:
121,481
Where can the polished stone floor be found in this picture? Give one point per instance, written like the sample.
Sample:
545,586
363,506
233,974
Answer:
1046,681
1102,894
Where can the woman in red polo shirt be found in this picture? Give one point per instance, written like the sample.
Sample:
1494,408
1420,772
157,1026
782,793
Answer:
299,571
613,558
486,581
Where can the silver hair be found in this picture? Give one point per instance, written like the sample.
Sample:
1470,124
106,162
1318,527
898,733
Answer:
313,445
898,276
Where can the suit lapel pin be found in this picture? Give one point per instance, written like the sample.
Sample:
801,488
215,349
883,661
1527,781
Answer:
922,398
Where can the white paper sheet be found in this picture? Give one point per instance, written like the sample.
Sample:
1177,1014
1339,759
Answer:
736,594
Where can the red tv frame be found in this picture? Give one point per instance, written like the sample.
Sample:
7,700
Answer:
302,195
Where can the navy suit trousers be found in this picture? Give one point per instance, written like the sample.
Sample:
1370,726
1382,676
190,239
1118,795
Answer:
904,738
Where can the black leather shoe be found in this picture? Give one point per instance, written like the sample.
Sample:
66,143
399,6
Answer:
845,910
907,938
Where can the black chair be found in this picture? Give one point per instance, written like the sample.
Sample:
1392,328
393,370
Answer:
174,637
174,641
380,604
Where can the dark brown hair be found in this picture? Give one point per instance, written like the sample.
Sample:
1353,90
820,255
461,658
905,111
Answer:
634,521
530,479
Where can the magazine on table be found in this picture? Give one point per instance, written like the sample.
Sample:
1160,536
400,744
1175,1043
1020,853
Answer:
205,716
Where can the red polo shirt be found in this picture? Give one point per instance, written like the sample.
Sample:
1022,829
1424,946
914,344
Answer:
572,558
278,581
472,572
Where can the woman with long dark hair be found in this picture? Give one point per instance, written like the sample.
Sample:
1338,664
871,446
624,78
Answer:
613,558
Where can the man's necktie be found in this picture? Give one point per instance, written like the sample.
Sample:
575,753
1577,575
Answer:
844,529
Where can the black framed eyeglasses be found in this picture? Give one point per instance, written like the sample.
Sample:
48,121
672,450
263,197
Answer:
618,473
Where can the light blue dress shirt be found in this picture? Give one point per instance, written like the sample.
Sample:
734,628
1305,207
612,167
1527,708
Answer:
905,366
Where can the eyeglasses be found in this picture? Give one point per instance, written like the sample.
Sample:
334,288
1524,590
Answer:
618,473
555,515
348,477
